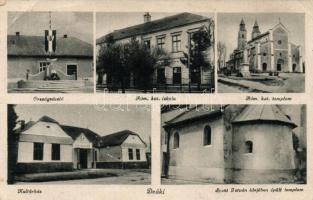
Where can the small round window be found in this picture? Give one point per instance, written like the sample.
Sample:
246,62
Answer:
279,41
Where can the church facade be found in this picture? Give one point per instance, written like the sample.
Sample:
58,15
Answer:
270,51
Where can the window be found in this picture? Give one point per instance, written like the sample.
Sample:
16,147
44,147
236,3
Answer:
176,41
161,76
207,136
55,151
176,141
138,154
264,54
38,151
71,69
95,156
176,75
43,66
147,43
248,147
161,42
279,42
130,154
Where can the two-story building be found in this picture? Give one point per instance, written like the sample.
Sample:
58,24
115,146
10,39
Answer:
173,34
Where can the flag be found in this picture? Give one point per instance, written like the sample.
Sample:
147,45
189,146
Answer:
50,41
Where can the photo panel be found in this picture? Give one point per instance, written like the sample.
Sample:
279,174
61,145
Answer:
234,144
79,144
261,52
50,52
155,52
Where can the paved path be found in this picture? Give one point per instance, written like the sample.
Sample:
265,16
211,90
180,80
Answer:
293,82
127,176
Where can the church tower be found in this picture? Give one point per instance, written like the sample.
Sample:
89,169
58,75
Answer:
255,31
242,35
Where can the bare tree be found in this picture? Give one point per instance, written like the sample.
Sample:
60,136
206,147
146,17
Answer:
221,55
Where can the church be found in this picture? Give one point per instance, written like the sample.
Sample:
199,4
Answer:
253,144
270,51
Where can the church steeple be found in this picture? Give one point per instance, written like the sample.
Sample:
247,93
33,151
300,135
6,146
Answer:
255,31
242,35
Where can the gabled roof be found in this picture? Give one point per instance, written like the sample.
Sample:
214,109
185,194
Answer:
75,132
155,26
116,139
253,113
195,113
47,119
23,45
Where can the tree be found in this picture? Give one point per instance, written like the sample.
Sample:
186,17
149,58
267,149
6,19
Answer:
200,43
111,62
221,55
121,61
142,60
12,143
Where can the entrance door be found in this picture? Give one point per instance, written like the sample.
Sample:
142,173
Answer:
264,67
280,63
83,158
72,70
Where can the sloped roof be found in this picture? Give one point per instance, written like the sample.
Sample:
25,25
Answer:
155,26
47,119
27,126
116,139
254,113
24,45
195,113
75,132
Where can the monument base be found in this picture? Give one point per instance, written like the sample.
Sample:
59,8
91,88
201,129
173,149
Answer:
244,69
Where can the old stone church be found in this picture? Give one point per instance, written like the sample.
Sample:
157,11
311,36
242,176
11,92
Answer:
236,143
270,51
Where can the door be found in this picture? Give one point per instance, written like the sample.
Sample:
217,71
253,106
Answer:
176,75
264,67
72,70
83,158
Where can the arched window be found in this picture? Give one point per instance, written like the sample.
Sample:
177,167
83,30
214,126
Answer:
207,136
176,141
248,146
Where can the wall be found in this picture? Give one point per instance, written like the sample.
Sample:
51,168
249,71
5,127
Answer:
272,151
17,66
193,160
25,153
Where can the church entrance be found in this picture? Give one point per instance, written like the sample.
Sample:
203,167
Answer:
294,66
264,67
280,63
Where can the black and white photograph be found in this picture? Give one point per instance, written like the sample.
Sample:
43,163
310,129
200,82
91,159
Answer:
261,53
155,52
79,144
50,52
233,144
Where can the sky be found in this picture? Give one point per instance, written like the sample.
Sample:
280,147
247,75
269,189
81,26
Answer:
108,22
102,119
228,26
77,24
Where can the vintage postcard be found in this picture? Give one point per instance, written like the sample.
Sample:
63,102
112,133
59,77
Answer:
167,99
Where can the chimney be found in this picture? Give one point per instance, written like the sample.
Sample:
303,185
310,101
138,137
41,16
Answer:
22,124
65,36
17,33
147,17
